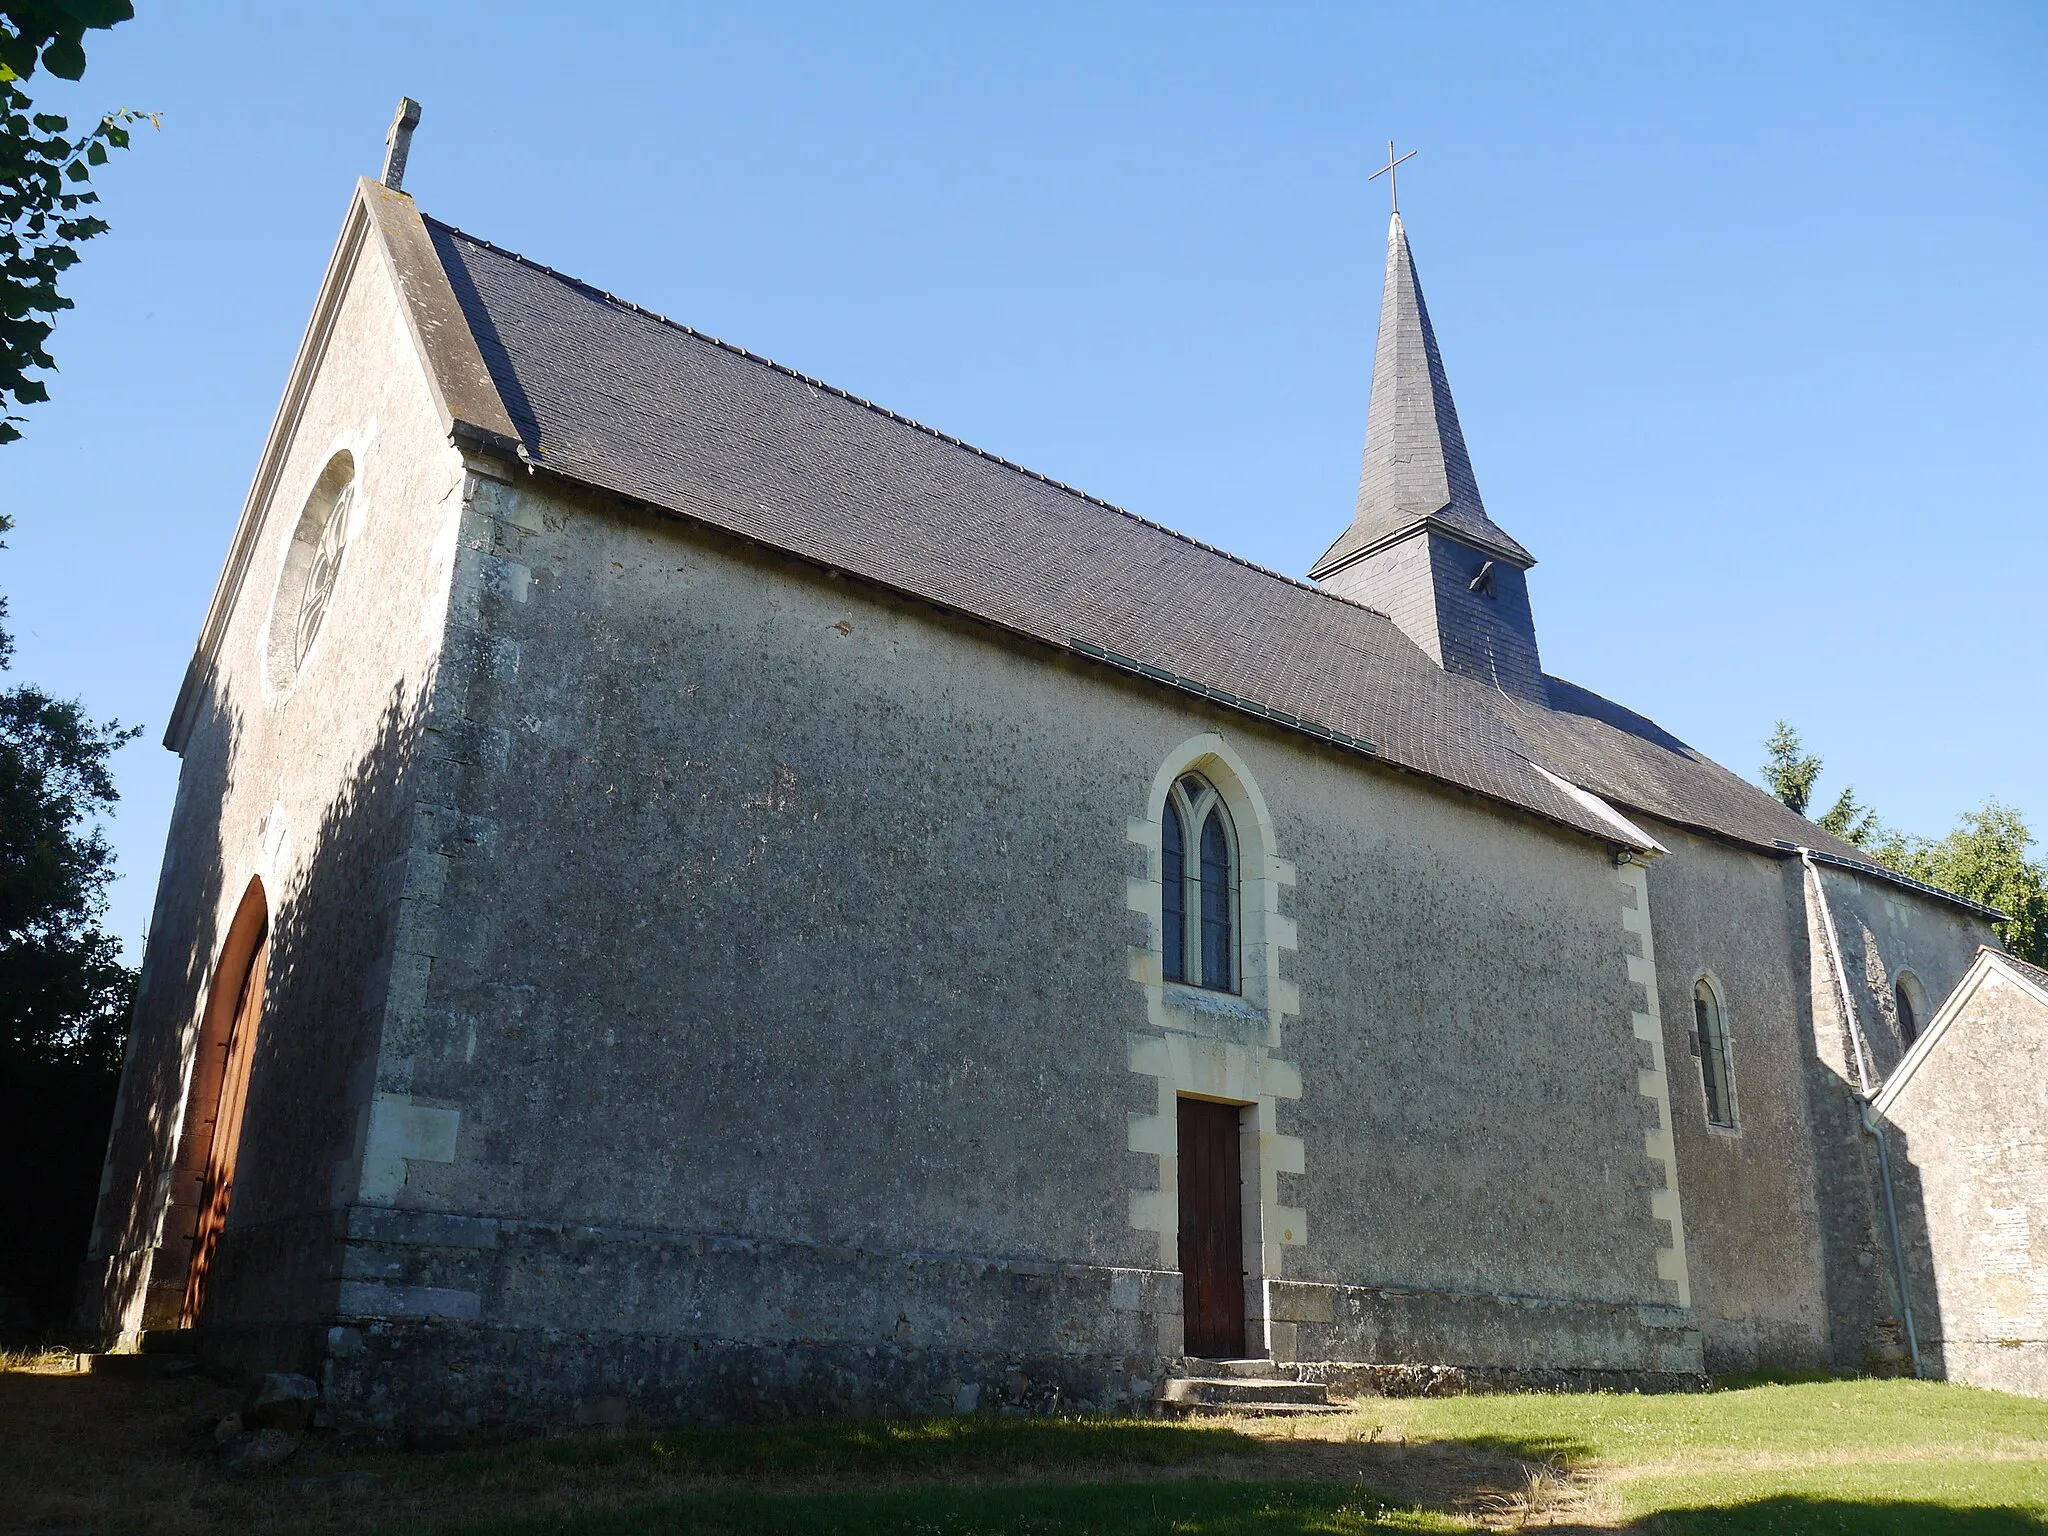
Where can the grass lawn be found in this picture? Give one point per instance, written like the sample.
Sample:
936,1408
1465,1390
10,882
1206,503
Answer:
1879,1456
131,1453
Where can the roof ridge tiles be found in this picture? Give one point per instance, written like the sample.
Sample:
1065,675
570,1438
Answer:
882,410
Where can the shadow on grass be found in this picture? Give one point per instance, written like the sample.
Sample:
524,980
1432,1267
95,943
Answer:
1102,1509
972,1445
1796,1515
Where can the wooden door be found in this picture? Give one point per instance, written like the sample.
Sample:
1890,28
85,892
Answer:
1211,1230
217,1186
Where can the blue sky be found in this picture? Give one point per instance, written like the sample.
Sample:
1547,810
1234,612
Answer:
1743,305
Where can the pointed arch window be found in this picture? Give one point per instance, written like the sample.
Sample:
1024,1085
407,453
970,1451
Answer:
1198,873
1908,1006
1717,1067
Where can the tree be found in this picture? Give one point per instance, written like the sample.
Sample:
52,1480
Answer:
1789,774
1850,819
1983,859
44,192
64,992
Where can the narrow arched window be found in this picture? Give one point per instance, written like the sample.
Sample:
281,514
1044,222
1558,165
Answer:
1717,1070
1909,1019
1198,906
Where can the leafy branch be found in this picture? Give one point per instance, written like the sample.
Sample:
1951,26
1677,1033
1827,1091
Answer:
45,191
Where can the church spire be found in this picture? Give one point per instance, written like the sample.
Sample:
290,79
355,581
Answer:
1420,545
1416,466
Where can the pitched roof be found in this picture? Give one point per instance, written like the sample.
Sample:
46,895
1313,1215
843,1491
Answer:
1416,467
2032,973
611,396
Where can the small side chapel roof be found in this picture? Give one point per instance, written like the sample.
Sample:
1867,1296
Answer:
2032,983
616,398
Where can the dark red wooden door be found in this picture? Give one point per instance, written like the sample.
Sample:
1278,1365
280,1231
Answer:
217,1189
1211,1230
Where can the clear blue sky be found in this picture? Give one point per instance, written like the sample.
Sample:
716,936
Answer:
1743,305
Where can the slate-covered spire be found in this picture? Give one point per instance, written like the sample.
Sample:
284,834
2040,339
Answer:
1420,546
1416,466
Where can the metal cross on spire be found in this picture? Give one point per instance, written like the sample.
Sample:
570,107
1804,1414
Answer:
1393,177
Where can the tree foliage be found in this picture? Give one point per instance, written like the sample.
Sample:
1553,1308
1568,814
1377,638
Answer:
64,993
1789,771
1983,859
45,171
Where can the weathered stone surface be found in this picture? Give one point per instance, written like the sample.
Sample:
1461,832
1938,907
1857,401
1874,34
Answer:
1968,1119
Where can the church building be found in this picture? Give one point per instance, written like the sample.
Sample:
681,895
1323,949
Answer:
694,895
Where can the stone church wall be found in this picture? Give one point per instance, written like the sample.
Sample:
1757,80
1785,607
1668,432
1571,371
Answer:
1886,932
1970,1148
1752,1216
787,1014
1881,930
304,788
1791,1256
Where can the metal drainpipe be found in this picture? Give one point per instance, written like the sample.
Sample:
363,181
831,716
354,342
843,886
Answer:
1871,1123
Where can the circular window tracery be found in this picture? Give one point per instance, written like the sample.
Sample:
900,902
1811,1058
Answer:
320,578
312,565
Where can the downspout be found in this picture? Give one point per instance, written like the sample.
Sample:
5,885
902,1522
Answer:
1871,1122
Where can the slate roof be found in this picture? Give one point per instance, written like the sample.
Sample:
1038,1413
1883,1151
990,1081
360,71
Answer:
617,398
2032,973
1416,466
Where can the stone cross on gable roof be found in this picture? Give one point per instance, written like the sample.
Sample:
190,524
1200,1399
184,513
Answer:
398,143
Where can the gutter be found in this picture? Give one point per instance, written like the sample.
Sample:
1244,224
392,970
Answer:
1872,1122
1814,856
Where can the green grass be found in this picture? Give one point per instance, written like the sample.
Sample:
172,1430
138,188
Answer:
1803,1419
1106,1509
117,1452
1878,1456
1893,1457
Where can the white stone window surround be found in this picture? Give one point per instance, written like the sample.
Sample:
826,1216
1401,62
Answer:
1726,1046
1219,1046
337,490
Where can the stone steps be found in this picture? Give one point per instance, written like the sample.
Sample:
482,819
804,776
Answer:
1241,1386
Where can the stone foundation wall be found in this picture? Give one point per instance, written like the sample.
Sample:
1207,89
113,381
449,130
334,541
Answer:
417,1377
1350,1378
1521,1335
436,1323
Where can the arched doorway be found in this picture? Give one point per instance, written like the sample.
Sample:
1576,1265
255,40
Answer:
220,1089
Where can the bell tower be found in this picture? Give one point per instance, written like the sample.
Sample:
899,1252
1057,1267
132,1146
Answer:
1420,547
